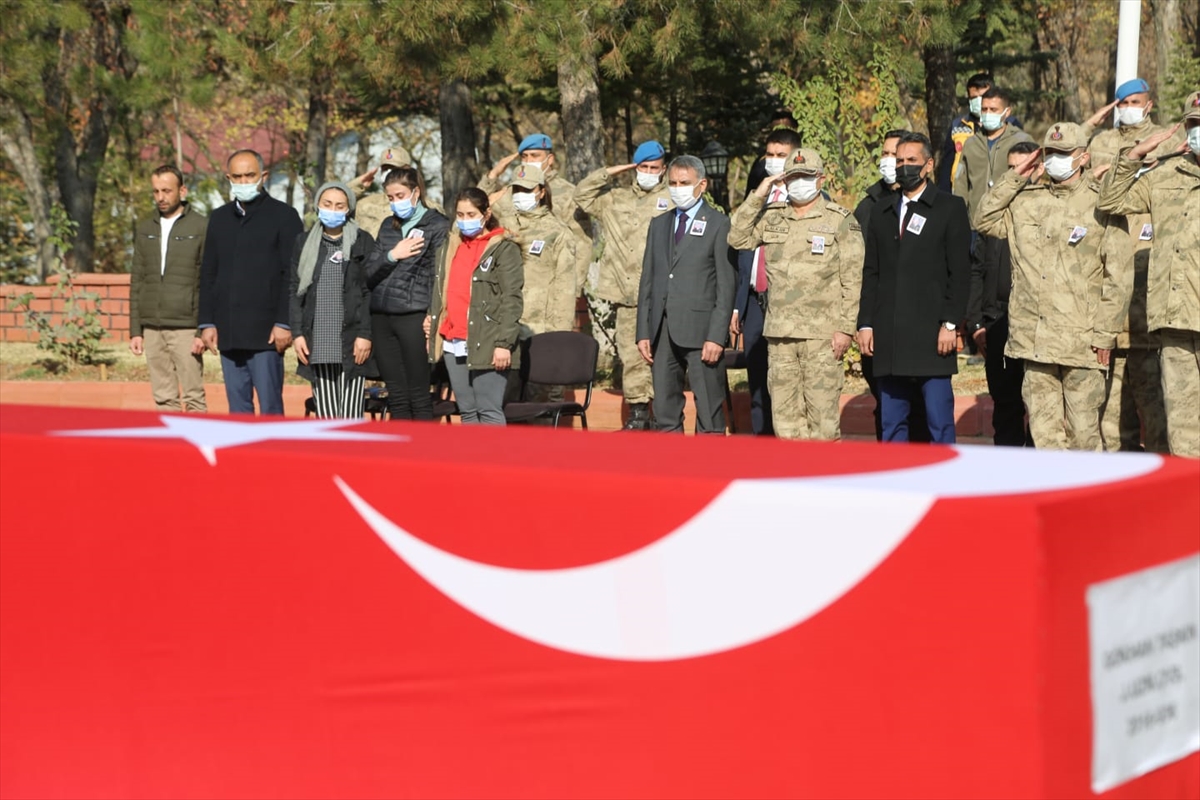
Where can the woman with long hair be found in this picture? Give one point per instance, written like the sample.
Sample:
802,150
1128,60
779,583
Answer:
400,275
475,317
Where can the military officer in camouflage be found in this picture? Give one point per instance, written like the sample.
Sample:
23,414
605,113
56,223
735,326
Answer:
1169,189
814,258
624,214
548,250
537,150
1061,245
1134,392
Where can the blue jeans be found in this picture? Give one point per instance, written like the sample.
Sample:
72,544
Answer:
250,371
896,397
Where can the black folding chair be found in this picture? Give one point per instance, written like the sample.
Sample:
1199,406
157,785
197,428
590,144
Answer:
439,381
558,358
735,358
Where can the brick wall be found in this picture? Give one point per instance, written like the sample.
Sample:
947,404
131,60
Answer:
113,291
114,306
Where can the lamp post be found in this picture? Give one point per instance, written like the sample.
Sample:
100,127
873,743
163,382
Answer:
716,162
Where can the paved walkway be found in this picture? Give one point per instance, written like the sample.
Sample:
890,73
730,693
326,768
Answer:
973,414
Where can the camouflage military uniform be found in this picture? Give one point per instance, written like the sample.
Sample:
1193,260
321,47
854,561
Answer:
1171,192
372,209
562,199
624,214
1061,246
548,249
814,274
1133,393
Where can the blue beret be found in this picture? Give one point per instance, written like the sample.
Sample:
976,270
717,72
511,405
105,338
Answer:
648,151
535,141
1135,86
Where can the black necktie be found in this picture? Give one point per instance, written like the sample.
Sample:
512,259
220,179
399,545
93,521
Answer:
681,227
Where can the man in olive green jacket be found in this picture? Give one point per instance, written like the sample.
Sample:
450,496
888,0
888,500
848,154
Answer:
985,155
164,287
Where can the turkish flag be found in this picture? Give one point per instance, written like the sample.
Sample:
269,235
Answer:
439,611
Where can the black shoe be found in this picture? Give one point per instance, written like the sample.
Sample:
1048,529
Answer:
639,418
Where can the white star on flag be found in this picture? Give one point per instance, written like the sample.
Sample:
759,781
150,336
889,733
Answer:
210,435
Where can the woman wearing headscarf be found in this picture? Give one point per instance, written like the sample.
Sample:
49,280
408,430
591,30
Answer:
330,315
475,317
400,276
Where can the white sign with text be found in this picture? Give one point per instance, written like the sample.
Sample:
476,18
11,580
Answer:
1144,633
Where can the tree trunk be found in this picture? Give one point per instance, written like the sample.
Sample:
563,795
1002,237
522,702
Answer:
18,147
459,168
77,164
1058,37
1167,27
362,161
629,148
316,136
579,93
941,91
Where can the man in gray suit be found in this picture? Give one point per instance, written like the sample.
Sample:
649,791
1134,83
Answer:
689,276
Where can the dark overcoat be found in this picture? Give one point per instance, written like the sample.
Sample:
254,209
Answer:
915,282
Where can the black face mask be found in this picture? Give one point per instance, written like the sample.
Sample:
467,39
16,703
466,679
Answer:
909,176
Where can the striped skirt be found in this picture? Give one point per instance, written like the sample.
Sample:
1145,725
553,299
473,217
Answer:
336,395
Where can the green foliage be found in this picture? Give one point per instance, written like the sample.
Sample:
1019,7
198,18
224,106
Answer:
1182,80
75,337
843,112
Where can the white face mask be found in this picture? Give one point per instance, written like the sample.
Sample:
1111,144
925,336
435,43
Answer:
887,169
992,122
1131,115
648,180
524,201
244,192
539,164
774,165
975,105
683,196
802,190
1193,139
1060,166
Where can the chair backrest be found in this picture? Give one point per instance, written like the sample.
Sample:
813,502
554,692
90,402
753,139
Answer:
560,358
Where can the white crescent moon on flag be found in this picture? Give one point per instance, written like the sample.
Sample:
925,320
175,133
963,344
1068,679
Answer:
762,557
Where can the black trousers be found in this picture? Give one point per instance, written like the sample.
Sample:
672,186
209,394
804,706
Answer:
918,425
1004,377
398,344
755,348
672,365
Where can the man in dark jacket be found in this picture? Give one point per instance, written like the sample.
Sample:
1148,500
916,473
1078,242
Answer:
987,322
244,287
915,281
163,280
885,191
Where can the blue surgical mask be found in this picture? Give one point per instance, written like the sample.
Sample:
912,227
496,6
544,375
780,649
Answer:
975,106
244,192
991,122
470,227
403,208
330,218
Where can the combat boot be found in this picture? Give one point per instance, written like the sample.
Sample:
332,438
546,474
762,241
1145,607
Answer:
639,417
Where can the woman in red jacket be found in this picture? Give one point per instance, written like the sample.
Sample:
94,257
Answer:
475,316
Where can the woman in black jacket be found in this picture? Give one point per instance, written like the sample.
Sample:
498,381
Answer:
329,302
400,276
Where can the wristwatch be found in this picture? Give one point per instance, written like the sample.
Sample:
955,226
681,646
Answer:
949,326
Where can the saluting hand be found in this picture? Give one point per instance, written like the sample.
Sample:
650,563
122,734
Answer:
502,165
764,188
1032,162
619,169
1148,145
1100,116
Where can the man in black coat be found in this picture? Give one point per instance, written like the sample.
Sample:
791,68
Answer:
884,191
244,287
685,301
915,281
